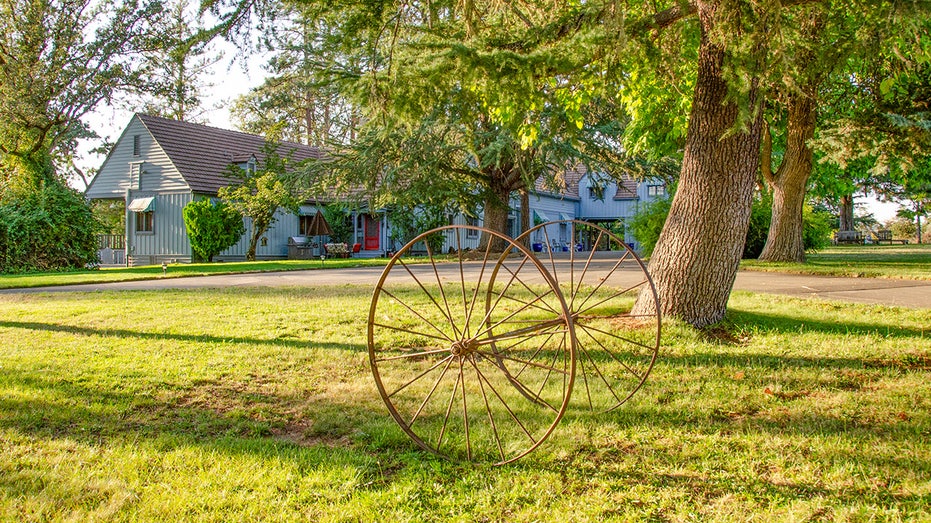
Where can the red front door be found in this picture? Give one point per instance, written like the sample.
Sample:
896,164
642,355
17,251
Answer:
372,232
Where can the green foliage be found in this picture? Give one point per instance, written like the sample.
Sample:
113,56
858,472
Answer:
902,228
760,218
817,227
408,223
648,223
58,61
51,228
261,192
340,220
212,227
111,214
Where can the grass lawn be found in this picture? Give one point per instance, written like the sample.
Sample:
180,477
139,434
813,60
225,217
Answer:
912,262
258,404
177,270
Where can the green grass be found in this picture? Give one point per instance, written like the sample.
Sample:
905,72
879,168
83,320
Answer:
911,262
257,404
176,270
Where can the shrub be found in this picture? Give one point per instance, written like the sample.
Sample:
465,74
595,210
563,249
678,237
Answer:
647,224
816,232
47,228
212,227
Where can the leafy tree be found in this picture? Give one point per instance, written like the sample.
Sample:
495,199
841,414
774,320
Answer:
340,222
177,66
530,60
408,223
44,229
297,102
212,227
260,193
648,223
58,61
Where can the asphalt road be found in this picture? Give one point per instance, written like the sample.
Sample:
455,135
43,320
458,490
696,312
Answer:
905,293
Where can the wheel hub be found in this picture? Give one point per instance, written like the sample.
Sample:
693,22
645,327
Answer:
463,348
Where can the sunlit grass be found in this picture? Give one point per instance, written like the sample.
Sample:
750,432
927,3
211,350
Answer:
874,261
258,404
175,270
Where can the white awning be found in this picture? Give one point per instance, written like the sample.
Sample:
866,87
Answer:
565,217
539,217
142,204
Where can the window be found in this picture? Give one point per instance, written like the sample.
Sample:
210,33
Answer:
656,190
136,147
145,221
596,192
471,222
304,224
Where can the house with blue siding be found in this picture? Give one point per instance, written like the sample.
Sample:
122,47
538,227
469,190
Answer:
158,166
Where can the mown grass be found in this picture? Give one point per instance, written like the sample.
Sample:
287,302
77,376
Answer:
912,262
175,270
257,404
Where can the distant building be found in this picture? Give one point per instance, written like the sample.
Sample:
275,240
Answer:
159,165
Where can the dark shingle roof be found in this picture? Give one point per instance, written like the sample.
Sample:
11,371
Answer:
203,154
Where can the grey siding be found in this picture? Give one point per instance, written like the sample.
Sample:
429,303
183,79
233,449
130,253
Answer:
276,244
116,175
168,240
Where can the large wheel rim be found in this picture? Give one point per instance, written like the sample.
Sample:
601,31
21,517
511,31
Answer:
444,364
616,350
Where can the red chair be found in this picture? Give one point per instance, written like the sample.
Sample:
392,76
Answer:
356,247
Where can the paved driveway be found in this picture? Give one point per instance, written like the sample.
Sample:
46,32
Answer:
905,293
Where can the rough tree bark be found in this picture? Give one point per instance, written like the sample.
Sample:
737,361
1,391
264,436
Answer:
784,241
846,212
696,258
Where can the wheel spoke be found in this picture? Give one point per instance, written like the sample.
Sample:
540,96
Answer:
422,374
449,361
588,262
446,314
439,283
425,320
507,407
409,331
412,355
489,355
449,408
509,316
602,280
606,333
525,286
491,418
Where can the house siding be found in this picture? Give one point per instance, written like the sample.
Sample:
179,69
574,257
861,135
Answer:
168,240
116,175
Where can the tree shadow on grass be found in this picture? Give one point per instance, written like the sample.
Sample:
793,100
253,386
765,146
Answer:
199,338
793,324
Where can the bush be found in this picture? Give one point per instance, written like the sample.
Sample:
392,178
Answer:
212,227
647,224
816,233
340,222
45,229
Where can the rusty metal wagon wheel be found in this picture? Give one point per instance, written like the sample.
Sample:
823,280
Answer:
600,277
443,353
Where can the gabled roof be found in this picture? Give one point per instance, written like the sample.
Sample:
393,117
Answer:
203,154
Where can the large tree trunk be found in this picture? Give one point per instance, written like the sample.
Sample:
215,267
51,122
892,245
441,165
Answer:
784,242
496,218
846,212
698,252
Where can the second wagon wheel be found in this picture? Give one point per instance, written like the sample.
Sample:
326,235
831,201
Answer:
440,354
601,277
